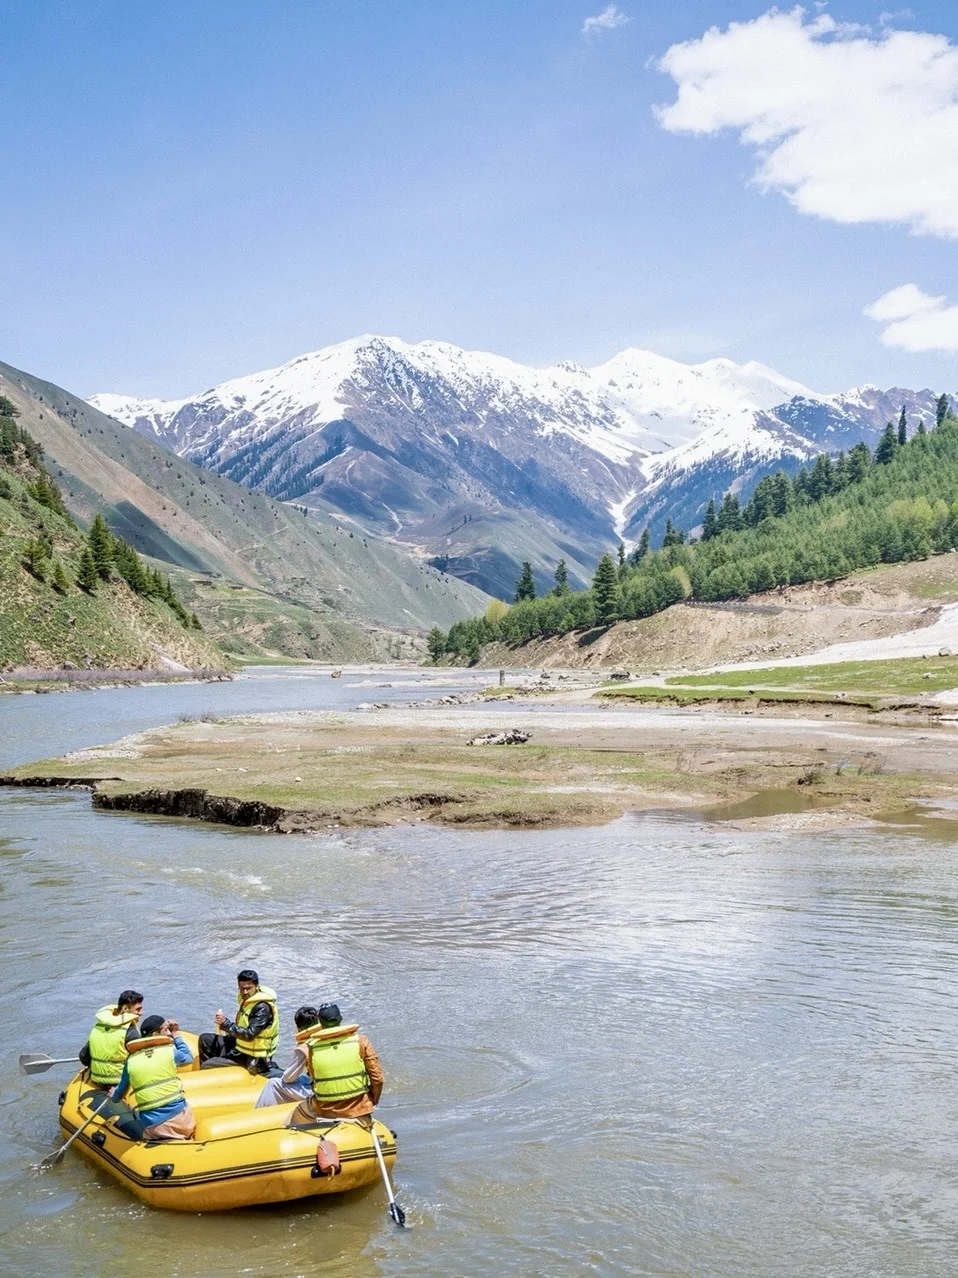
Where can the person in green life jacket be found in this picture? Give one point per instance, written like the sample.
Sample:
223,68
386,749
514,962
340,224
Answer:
150,1074
104,1052
249,1040
295,1083
345,1075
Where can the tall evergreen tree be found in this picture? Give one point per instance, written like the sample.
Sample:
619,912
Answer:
859,460
784,494
642,549
61,583
605,590
526,583
902,428
921,432
710,522
100,542
730,514
436,643
87,576
941,409
887,446
673,536
820,479
561,579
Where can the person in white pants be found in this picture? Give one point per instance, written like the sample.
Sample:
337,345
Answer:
294,1085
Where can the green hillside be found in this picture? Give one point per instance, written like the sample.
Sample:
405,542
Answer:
305,586
840,515
66,598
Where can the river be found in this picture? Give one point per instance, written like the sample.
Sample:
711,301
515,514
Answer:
662,1047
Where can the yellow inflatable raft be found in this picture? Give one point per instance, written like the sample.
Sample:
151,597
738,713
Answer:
240,1156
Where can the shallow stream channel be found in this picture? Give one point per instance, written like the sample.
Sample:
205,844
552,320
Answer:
663,1046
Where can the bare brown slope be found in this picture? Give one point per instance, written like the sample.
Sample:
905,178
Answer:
792,621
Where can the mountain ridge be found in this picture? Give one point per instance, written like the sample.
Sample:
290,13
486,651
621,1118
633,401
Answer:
481,462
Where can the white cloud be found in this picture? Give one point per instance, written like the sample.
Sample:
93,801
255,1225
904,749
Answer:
610,18
851,126
915,321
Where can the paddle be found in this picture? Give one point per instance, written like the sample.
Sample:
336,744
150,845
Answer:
397,1213
51,1160
40,1063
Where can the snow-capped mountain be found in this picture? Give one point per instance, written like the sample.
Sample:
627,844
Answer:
482,462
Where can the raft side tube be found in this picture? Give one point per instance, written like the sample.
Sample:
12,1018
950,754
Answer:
225,1126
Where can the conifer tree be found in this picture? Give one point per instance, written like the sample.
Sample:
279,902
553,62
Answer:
605,590
561,579
87,575
621,554
525,585
730,514
902,428
887,446
35,557
436,643
61,583
642,549
921,432
710,523
673,536
941,409
195,623
100,542
820,479
784,497
859,460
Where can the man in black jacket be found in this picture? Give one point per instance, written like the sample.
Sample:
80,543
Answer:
250,1040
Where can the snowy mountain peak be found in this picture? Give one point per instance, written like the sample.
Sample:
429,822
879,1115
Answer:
636,403
483,462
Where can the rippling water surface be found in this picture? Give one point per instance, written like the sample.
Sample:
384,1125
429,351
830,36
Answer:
661,1047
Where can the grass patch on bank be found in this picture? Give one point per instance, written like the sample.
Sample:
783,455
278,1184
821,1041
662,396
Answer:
339,774
679,696
902,677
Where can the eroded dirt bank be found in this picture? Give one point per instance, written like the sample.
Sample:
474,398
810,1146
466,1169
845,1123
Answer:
793,621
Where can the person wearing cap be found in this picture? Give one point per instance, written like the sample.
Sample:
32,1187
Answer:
346,1079
105,1050
295,1083
251,1039
150,1073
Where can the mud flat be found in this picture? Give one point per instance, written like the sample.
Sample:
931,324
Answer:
315,770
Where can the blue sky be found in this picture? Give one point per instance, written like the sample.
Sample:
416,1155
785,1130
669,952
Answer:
194,191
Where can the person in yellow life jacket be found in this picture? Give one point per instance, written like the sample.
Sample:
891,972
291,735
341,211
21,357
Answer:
104,1052
150,1074
251,1039
344,1071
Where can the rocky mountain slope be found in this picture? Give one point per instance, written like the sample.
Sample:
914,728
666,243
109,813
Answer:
295,584
481,462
